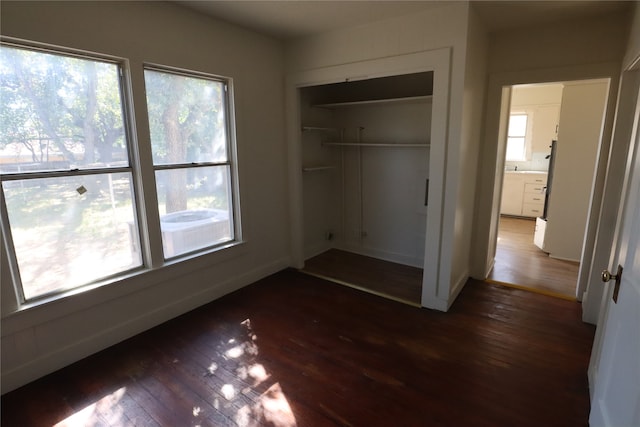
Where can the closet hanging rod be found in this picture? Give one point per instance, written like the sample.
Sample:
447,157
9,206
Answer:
401,100
319,128
317,168
376,144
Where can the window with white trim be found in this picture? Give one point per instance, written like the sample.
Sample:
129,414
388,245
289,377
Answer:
71,197
188,121
517,137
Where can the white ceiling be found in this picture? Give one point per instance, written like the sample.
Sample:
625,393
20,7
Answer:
290,19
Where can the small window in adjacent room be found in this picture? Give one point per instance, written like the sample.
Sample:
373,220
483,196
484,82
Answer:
190,128
517,137
67,181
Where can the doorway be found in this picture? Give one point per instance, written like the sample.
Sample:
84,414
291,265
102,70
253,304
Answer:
552,144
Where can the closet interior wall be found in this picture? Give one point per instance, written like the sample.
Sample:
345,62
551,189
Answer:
365,159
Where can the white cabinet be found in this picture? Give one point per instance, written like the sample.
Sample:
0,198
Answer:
512,194
523,193
533,198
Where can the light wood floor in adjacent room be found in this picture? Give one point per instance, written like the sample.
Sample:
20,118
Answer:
519,262
295,350
395,281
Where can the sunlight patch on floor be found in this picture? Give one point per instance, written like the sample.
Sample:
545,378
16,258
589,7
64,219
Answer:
106,409
271,409
268,405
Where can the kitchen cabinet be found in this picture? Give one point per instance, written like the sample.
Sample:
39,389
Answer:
512,194
523,193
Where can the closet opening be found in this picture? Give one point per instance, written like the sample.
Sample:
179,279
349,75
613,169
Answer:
365,148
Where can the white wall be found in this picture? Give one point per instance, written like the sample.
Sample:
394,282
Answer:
536,95
393,182
426,30
464,174
562,44
44,338
581,118
322,195
632,51
544,102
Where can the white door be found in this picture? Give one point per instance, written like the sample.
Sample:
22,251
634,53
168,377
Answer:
616,354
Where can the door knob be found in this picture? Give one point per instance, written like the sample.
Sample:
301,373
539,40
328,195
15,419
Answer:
607,276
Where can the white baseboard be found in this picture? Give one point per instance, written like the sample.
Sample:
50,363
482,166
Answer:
317,249
457,287
443,303
563,259
489,268
383,255
59,358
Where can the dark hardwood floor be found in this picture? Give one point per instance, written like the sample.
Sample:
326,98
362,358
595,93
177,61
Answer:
394,281
295,350
519,262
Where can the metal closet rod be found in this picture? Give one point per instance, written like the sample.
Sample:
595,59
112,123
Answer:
320,128
376,144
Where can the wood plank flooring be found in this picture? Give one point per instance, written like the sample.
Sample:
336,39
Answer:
518,261
295,350
395,281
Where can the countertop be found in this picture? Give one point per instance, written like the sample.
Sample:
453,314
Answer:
525,172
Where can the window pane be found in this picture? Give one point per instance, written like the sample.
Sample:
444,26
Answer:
186,118
518,125
59,112
515,149
195,208
71,231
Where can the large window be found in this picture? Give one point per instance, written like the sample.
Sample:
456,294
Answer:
66,176
190,146
69,185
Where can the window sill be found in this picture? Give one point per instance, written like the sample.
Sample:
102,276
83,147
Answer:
62,304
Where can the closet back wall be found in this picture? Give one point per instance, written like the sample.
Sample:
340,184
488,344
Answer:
391,181
365,162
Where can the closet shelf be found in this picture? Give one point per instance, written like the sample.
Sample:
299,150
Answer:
316,168
318,128
408,100
376,144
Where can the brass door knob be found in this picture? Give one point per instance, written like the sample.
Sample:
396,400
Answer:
606,276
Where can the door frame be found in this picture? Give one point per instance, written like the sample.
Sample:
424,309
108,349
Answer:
435,290
492,156
615,177
628,105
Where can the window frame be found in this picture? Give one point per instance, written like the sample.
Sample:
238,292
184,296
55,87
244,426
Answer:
124,86
142,174
230,163
528,136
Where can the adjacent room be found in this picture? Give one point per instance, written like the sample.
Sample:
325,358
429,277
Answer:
553,140
296,213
